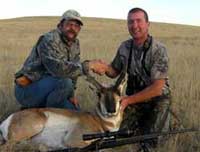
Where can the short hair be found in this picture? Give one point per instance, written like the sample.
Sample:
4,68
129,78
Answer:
137,9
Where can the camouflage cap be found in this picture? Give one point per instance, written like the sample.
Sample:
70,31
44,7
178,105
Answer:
72,15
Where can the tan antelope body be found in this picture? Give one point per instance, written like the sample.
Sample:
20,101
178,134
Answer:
61,128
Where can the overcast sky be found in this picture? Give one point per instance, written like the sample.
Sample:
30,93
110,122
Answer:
170,11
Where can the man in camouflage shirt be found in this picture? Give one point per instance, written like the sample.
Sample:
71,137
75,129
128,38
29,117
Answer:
145,59
49,74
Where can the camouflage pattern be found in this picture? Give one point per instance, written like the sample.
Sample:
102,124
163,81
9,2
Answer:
52,56
148,117
145,118
146,66
72,15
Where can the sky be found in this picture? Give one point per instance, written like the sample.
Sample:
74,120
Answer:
167,11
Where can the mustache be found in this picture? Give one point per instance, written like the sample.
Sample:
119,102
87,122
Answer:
71,31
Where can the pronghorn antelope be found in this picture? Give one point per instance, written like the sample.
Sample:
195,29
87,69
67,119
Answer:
61,128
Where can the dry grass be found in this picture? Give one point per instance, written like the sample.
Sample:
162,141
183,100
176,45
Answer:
100,39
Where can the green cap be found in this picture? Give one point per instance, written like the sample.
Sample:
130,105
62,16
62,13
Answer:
72,15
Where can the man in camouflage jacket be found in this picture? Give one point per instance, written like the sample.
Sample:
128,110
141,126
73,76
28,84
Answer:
48,76
146,105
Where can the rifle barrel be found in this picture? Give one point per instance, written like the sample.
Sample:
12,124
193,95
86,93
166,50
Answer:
114,142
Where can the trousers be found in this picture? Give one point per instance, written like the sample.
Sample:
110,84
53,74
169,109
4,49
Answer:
49,91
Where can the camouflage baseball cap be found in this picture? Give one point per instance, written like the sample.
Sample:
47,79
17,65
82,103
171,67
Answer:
72,15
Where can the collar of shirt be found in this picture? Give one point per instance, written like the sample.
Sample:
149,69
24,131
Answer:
141,48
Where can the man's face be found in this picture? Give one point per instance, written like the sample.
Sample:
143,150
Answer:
70,29
137,25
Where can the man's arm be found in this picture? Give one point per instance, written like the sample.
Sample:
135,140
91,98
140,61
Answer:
56,62
155,89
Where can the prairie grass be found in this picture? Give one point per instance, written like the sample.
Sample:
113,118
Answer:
100,38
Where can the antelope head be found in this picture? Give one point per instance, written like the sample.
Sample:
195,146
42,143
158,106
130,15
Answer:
108,96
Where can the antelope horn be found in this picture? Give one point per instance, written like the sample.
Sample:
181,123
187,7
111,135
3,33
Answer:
122,76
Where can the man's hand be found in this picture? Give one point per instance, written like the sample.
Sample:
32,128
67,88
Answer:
98,66
23,81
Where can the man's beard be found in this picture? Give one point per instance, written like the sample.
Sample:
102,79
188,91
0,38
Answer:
68,33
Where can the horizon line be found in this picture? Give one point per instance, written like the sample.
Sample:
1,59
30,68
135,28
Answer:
18,17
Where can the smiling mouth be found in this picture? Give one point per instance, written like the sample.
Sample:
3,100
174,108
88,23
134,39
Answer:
71,33
135,32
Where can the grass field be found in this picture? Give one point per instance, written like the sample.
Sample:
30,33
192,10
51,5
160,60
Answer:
99,39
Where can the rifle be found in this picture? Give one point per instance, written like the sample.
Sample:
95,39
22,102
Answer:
119,138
